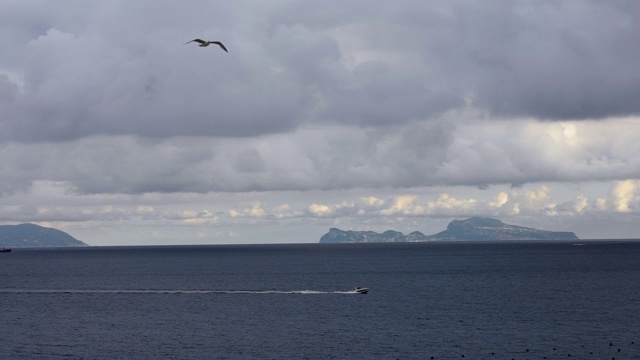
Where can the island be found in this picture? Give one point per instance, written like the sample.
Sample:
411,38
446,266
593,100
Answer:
32,235
475,228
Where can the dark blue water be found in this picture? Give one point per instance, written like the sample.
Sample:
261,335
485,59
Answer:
440,300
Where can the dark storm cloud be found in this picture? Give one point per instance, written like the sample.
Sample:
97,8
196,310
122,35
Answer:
120,68
147,92
544,59
558,60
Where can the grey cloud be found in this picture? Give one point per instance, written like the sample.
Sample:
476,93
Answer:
248,161
544,59
571,60
287,65
97,78
375,95
338,96
76,88
8,90
421,153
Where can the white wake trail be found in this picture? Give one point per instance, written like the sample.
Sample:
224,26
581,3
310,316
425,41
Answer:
167,291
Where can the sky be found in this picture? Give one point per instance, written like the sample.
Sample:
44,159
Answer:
360,115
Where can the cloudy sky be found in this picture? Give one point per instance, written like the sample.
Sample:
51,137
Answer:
361,115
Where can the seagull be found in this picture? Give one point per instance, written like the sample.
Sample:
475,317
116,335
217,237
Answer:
207,43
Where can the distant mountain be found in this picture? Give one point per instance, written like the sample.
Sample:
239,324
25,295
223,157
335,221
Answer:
478,228
475,228
34,236
340,236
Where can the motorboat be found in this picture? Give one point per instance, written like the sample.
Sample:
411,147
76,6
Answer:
4,249
361,290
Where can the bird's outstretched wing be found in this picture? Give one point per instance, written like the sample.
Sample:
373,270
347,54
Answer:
196,40
220,44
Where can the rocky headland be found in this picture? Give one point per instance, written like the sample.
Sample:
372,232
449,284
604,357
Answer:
475,228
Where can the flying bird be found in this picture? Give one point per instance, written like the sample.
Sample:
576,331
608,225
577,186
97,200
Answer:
204,43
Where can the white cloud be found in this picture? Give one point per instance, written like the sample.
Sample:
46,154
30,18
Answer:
401,205
580,203
233,214
320,210
254,211
500,199
625,196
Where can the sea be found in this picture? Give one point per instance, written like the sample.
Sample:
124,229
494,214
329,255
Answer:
439,300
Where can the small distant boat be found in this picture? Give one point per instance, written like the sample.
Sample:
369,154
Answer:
361,290
4,249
